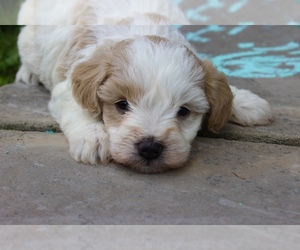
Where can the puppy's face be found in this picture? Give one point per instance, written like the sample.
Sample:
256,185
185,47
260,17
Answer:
152,99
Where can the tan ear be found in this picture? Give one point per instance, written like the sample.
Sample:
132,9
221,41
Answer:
88,76
219,97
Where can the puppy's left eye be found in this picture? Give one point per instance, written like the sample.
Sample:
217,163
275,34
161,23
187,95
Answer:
183,112
122,106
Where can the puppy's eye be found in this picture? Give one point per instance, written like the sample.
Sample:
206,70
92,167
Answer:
183,113
122,106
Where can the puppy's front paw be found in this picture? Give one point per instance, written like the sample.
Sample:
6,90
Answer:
89,144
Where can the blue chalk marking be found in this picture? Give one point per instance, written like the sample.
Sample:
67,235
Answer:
246,23
237,6
260,67
203,56
196,14
292,23
236,30
245,45
258,62
288,46
176,26
177,1
297,52
197,36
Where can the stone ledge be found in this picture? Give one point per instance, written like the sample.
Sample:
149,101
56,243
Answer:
24,108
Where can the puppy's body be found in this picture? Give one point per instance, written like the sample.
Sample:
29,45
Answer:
102,12
136,94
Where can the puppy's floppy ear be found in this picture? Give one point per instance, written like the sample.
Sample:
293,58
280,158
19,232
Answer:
88,75
219,96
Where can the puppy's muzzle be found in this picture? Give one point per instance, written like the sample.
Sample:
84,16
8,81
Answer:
149,149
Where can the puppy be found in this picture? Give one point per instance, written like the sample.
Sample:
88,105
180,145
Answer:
135,94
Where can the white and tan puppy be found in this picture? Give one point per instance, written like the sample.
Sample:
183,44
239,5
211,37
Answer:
132,93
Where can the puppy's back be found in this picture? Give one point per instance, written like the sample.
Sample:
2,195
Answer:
45,12
102,12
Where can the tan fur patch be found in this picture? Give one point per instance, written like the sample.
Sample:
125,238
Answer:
115,89
83,14
125,21
156,18
111,117
82,37
88,76
156,39
108,60
219,96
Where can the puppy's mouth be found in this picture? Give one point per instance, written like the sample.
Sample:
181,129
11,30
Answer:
150,157
150,167
154,166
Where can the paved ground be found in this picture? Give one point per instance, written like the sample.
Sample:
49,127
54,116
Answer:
246,176
232,12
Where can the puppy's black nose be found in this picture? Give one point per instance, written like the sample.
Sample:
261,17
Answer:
150,149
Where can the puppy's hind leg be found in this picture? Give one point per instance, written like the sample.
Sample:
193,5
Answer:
249,109
25,75
29,57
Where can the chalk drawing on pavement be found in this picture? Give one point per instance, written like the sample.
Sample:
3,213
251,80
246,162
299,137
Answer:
259,62
202,11
199,35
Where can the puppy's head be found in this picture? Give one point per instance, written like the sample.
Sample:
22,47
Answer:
152,95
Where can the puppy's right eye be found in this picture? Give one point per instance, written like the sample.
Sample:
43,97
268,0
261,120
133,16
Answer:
183,112
122,106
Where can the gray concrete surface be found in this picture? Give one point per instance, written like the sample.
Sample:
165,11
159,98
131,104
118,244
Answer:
24,108
232,12
245,176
